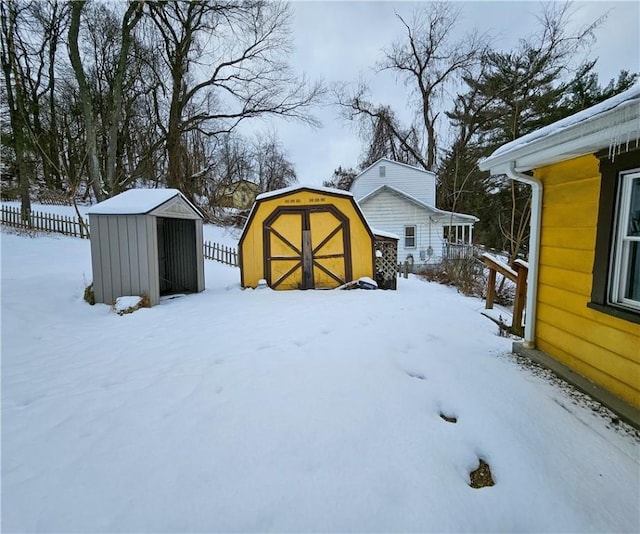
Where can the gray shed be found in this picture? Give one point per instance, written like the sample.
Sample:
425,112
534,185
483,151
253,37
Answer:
146,241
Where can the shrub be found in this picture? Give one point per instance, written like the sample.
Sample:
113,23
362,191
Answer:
467,275
89,295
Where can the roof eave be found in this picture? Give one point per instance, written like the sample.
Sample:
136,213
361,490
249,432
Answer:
586,137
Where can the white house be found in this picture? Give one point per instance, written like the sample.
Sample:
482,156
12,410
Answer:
399,198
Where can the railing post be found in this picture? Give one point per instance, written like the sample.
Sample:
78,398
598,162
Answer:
491,289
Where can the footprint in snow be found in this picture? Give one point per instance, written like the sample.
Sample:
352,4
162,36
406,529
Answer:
448,418
419,376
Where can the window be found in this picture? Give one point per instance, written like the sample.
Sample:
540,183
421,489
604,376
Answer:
409,236
616,267
383,171
625,275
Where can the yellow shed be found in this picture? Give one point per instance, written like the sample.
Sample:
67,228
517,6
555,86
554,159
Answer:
583,301
305,238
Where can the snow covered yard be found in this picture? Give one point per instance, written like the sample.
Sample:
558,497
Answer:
265,411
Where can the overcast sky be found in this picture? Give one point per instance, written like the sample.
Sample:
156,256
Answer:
341,42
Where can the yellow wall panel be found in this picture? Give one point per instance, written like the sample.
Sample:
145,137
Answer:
592,356
583,238
630,394
601,347
572,192
573,170
577,303
571,281
599,334
584,215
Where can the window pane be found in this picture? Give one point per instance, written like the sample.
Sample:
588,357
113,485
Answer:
410,236
632,283
633,229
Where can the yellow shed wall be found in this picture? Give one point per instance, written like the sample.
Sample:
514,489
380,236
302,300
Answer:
601,347
252,246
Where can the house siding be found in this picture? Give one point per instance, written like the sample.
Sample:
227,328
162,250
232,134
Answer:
391,213
601,347
415,182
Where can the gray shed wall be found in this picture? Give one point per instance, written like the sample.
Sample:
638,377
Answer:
124,252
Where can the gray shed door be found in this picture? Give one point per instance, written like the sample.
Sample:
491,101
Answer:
177,257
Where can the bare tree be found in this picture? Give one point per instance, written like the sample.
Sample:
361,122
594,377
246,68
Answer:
272,168
102,183
427,58
227,63
16,96
379,128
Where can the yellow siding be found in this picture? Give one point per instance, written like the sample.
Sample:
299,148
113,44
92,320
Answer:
361,241
601,347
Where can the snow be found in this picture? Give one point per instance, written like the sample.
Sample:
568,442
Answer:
273,411
384,233
126,303
134,201
298,187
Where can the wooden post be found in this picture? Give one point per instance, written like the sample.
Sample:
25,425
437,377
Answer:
406,268
491,289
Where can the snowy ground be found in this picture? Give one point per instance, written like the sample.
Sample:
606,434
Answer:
254,410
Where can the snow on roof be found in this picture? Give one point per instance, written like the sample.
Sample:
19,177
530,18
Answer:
134,201
299,187
610,123
413,199
384,233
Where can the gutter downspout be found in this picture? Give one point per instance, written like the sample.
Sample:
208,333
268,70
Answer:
534,250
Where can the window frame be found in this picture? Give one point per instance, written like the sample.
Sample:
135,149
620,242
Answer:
382,171
611,172
621,244
414,237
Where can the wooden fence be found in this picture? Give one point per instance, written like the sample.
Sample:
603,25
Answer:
71,226
45,222
216,252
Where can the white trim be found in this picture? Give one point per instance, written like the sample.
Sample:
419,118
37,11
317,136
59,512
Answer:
300,187
415,235
413,199
610,124
622,244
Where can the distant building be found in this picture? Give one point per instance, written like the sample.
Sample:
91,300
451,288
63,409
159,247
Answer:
240,195
400,199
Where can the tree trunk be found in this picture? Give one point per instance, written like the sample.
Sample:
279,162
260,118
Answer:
130,19
84,94
16,105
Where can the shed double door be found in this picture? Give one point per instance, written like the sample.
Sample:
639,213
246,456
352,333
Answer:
307,248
